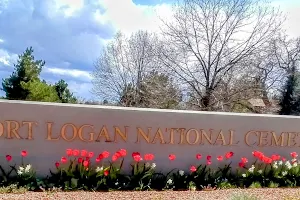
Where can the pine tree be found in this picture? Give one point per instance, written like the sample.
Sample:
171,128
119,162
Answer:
289,98
27,69
25,83
40,91
64,93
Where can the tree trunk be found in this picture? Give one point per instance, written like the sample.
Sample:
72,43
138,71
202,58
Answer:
206,100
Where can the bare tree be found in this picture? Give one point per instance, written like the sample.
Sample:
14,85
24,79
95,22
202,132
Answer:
235,90
274,63
263,75
208,40
268,69
286,52
123,64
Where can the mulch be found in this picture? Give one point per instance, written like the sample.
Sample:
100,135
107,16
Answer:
261,194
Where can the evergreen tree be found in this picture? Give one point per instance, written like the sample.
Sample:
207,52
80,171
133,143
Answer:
25,84
289,101
40,91
159,91
156,90
27,69
64,93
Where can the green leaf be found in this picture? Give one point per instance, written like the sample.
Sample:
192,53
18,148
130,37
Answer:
74,182
66,184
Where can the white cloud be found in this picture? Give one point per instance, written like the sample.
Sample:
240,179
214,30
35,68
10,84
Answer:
70,31
6,58
129,17
81,89
78,74
71,6
4,61
55,36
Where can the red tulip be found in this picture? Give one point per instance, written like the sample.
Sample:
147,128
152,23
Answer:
294,155
100,156
257,154
244,160
228,155
267,160
198,156
208,157
220,158
75,152
242,164
208,162
69,152
57,164
80,160
8,158
261,157
91,154
193,169
98,159
24,153
135,154
105,154
123,152
118,154
146,156
275,157
63,159
106,172
149,157
85,163
137,158
283,159
114,158
84,153
172,157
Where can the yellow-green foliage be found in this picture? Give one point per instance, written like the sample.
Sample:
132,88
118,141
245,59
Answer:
13,189
255,185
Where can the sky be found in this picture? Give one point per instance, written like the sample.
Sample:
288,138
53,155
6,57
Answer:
69,34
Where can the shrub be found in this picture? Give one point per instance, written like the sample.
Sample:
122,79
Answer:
13,189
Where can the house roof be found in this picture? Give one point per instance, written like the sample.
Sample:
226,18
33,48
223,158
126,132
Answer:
257,102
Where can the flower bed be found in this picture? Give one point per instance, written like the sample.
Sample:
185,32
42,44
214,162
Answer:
82,170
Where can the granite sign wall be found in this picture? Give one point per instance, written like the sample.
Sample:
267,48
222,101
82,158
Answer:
46,130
